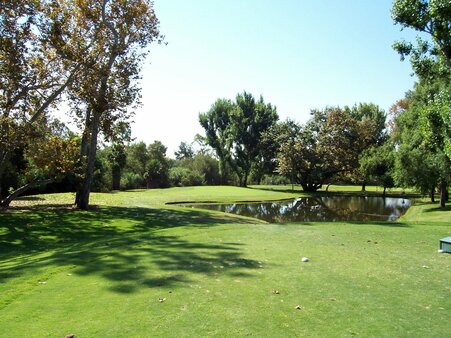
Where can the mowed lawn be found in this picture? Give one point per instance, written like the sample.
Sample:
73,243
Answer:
137,267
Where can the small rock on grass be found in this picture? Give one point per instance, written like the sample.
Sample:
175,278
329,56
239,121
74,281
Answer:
276,292
70,336
298,307
161,299
305,259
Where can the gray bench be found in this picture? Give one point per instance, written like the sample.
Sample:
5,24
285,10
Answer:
445,244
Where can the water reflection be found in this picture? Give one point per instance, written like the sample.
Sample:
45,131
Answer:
333,208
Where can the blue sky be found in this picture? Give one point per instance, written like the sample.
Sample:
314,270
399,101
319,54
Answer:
298,54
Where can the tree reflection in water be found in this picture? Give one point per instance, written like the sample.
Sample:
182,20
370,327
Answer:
308,209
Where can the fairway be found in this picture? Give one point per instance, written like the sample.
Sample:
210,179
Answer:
135,266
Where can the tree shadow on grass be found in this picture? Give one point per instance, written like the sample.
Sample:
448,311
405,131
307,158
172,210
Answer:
121,245
437,209
392,224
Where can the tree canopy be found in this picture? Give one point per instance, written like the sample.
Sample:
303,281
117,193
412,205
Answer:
235,129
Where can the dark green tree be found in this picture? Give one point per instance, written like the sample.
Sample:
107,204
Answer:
249,120
371,120
185,150
157,166
118,160
216,123
377,165
432,17
429,108
321,150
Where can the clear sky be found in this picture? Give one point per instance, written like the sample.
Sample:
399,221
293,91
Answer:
298,54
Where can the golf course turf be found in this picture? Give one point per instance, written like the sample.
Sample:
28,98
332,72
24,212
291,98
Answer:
135,266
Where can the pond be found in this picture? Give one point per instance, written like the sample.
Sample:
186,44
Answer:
321,208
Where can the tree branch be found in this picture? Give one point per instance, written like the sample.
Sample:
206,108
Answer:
16,193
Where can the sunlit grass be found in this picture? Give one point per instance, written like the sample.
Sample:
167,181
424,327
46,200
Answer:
102,272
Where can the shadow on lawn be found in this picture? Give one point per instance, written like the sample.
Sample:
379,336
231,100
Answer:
437,209
118,244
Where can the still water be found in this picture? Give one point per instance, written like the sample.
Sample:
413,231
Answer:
306,209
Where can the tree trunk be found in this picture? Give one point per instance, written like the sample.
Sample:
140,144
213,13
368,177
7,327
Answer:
432,194
443,193
363,186
83,201
383,194
16,193
1,174
311,187
222,170
83,154
116,177
327,187
3,158
246,174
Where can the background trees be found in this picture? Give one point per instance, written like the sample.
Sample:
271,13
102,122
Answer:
157,166
216,123
377,165
234,131
329,145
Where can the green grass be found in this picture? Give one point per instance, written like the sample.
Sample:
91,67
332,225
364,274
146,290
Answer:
102,272
341,189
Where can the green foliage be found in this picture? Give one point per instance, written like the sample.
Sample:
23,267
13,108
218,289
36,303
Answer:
137,157
130,180
185,150
235,131
184,177
435,121
377,165
157,166
429,108
432,17
118,159
216,123
421,134
329,145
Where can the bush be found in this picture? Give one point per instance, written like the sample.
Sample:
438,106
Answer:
131,180
184,177
275,180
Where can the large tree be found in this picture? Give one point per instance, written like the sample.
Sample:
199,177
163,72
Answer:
371,132
114,36
429,108
250,119
419,161
33,75
216,123
328,145
235,129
